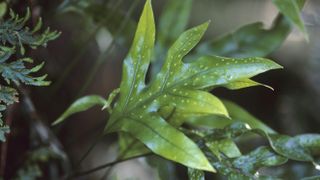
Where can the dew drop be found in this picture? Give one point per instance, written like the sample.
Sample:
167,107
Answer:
247,126
317,166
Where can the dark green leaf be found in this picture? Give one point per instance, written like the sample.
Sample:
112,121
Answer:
289,147
166,169
225,146
291,9
14,32
8,95
175,17
3,130
309,141
195,174
247,166
237,113
248,41
261,157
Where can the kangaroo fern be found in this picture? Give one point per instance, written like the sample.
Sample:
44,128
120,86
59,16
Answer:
153,112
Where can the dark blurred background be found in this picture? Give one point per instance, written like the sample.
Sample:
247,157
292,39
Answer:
87,57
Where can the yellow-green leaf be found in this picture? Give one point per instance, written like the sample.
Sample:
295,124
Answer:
81,104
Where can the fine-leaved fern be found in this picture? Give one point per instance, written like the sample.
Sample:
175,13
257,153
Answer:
14,36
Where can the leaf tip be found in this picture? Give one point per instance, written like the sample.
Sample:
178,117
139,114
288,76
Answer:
58,121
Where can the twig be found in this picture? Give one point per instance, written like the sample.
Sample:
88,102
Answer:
85,155
123,154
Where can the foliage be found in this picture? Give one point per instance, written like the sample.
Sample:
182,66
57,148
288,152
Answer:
14,36
227,159
172,113
291,9
31,168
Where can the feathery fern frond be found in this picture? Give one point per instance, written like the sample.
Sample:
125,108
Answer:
14,35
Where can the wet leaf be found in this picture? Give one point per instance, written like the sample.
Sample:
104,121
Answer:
247,166
300,148
260,157
178,85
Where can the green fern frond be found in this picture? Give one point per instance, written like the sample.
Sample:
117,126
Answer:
14,32
14,36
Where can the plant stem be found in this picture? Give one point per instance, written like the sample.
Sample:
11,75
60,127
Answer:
98,168
83,157
124,153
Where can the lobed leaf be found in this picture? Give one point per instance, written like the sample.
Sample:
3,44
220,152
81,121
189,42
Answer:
179,87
